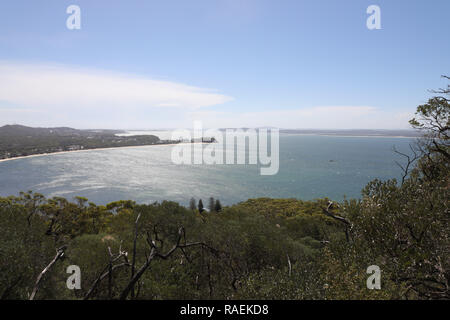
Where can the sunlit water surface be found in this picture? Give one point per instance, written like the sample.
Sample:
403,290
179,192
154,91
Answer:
310,167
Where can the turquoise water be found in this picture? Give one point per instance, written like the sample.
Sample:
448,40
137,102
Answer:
146,174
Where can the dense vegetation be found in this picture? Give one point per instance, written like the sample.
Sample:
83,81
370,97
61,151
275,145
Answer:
261,248
16,140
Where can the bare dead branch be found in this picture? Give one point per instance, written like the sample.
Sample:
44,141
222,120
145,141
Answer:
59,254
336,217
409,161
137,276
133,261
155,254
348,225
103,276
289,265
108,271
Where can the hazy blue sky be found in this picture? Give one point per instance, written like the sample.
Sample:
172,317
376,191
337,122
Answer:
154,64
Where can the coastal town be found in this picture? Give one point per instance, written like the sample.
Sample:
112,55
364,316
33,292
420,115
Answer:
21,141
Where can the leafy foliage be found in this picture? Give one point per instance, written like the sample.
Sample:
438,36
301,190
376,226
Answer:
261,248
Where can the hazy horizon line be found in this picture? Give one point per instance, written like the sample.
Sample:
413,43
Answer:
219,128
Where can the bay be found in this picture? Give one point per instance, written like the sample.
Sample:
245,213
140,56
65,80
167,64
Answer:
311,167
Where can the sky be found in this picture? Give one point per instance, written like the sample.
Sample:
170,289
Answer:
153,64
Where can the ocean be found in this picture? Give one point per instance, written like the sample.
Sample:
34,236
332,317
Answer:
311,167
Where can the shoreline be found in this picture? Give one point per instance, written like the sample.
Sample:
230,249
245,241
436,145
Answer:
95,149
171,144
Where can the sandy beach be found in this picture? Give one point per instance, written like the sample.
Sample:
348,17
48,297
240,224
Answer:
97,149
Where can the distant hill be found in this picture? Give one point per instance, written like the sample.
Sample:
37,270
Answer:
18,140
19,130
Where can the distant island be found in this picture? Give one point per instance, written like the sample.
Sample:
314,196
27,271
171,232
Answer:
20,141
406,133
393,133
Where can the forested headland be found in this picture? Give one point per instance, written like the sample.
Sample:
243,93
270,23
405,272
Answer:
257,249
19,141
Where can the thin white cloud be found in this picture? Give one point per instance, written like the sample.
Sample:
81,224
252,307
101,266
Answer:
62,87
55,95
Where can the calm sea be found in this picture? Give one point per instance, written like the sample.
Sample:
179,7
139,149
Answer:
310,167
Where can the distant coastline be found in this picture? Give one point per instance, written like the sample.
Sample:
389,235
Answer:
18,142
348,136
359,133
362,133
96,149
